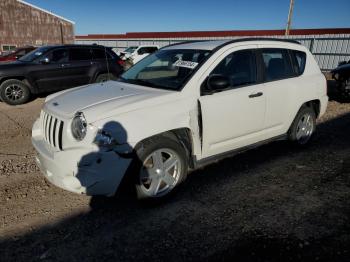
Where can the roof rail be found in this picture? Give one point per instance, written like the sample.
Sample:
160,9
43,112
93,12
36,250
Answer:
264,39
236,41
185,42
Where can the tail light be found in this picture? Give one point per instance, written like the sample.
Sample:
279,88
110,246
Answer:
121,62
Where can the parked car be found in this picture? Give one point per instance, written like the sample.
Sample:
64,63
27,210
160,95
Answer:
16,54
341,74
136,53
54,68
180,108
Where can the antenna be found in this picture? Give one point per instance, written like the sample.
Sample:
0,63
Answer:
107,63
290,14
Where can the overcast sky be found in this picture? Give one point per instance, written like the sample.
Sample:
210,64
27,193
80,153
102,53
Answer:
113,16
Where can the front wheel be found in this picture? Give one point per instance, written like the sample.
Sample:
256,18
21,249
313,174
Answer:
159,167
303,126
14,92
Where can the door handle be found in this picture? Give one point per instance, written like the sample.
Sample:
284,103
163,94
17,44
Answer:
256,95
65,65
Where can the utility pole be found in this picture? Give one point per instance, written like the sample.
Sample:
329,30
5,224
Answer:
290,14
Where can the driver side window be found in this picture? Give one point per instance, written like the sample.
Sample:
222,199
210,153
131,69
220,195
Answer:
239,68
58,56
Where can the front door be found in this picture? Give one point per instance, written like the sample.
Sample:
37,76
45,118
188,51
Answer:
234,117
51,75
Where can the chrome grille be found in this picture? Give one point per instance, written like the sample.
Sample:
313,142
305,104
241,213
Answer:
52,130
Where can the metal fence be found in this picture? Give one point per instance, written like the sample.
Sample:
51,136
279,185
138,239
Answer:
328,50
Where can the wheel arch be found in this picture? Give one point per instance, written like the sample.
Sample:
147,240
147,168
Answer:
182,135
315,105
20,78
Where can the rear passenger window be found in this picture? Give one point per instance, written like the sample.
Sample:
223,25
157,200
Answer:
299,61
80,54
277,64
239,67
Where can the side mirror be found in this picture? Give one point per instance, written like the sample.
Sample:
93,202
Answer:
45,60
217,83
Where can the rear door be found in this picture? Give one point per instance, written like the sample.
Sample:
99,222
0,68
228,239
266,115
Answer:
233,118
279,83
79,66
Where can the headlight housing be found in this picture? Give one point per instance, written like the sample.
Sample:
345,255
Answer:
104,139
79,126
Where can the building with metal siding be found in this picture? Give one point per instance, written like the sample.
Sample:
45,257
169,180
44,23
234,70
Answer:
24,24
329,46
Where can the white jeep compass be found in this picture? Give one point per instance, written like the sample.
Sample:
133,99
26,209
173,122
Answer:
175,110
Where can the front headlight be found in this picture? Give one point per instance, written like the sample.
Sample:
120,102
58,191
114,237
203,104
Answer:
104,139
79,126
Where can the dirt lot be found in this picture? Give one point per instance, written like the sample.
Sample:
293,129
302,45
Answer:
273,203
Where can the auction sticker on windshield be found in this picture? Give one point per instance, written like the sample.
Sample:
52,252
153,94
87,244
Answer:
187,64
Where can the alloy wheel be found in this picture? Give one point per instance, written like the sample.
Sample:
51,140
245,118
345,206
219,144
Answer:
160,172
305,128
13,92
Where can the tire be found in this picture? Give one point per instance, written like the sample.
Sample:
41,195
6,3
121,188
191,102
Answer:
344,89
303,126
153,180
104,77
14,92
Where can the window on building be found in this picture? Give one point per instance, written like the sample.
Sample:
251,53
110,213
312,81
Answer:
8,48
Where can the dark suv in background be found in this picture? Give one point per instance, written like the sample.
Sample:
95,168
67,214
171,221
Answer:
54,68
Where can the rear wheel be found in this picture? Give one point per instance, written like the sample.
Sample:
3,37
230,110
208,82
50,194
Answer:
160,166
14,92
303,126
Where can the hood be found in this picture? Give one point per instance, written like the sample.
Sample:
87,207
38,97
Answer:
98,101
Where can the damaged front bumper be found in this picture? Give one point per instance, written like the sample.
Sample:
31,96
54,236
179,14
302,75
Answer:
80,170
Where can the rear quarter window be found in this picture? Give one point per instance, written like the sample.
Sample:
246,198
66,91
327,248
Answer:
299,61
99,54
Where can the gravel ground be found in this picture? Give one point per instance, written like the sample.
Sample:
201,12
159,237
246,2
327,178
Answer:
272,203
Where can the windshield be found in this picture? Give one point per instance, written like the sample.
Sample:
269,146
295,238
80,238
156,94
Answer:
165,69
30,57
130,49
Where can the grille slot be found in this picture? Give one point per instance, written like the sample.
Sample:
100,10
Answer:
52,130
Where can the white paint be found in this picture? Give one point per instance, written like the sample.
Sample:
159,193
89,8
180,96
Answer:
230,119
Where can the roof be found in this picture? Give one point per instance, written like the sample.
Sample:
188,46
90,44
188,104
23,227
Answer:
211,45
45,11
234,33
